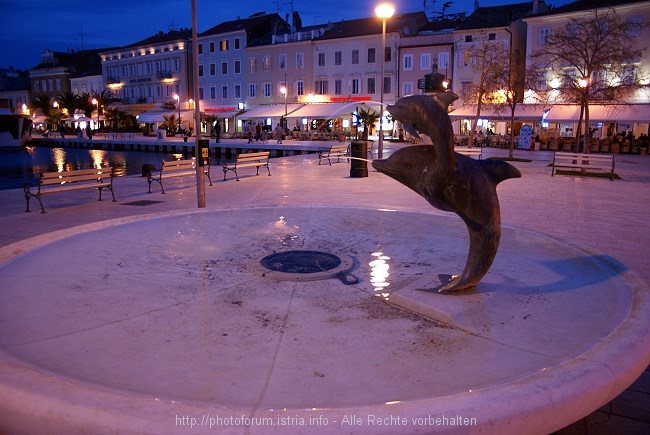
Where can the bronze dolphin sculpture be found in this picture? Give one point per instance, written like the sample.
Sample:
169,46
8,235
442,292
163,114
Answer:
450,181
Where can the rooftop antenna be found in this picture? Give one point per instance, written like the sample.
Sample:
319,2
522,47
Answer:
82,37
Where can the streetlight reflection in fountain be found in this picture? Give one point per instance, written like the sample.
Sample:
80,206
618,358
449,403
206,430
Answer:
379,273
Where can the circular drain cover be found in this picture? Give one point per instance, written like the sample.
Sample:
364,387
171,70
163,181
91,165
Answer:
304,265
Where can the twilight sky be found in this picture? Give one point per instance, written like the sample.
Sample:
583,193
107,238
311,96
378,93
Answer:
27,27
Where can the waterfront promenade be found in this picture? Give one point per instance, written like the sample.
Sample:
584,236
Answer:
594,214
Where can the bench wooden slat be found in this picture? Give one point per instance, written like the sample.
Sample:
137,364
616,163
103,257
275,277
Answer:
334,151
247,160
570,160
66,181
176,168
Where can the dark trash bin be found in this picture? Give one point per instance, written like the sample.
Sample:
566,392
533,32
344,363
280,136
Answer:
358,149
147,168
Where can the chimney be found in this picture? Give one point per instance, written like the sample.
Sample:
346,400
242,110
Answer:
535,6
476,5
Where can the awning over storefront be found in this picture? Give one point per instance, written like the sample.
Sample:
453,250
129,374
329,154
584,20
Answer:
523,112
156,116
329,110
601,113
269,111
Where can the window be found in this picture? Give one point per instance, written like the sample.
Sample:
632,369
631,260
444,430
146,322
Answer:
252,64
425,61
371,55
213,69
236,43
338,87
212,47
634,26
629,74
467,58
356,86
468,38
338,58
541,80
387,54
371,85
300,87
200,48
321,87
251,90
266,63
443,60
267,89
224,92
492,36
407,88
542,36
237,65
387,85
408,62
201,94
283,61
201,70
355,57
300,60
213,93
238,91
321,59
224,67
223,45
139,70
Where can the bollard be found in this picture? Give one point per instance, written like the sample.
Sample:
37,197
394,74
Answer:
358,168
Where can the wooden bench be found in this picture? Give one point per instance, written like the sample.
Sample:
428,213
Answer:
54,182
175,168
587,162
247,160
334,151
475,152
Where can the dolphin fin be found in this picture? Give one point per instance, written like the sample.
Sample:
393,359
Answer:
498,170
445,98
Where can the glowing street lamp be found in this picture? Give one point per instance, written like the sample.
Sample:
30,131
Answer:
96,103
384,11
178,102
283,91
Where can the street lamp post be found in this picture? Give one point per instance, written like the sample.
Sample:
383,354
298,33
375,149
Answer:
283,91
383,11
96,103
178,101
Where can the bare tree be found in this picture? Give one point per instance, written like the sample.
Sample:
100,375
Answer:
513,78
491,61
592,58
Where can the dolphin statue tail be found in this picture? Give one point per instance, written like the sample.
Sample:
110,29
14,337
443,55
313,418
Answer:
484,237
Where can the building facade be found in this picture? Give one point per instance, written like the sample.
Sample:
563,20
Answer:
150,72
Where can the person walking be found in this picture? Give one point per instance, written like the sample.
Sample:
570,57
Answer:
251,131
278,133
217,131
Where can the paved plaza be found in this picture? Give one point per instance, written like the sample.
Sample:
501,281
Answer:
607,219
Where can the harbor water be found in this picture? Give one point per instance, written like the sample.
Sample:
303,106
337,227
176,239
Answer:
19,166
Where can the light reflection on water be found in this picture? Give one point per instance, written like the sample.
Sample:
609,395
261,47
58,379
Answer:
18,166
